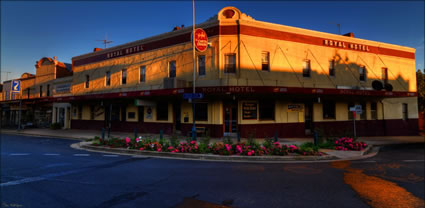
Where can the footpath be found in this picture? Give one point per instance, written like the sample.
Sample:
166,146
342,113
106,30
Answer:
330,155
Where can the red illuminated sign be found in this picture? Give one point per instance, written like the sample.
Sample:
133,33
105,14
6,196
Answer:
201,40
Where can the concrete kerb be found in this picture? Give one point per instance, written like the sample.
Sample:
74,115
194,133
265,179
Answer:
222,158
44,135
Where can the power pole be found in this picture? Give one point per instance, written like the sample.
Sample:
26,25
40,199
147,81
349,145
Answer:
338,25
194,71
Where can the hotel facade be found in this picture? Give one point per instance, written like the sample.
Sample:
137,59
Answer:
259,79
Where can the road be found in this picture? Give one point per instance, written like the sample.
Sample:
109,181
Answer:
47,172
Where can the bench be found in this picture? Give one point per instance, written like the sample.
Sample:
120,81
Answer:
199,130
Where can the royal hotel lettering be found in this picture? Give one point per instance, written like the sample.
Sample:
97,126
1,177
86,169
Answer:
228,89
341,44
124,52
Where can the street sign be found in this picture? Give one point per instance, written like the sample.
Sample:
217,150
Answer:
16,85
357,109
201,40
193,95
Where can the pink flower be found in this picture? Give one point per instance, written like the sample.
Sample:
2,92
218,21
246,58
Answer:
249,153
127,140
137,140
159,150
141,148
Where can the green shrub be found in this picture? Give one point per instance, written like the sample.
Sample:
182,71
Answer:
227,140
268,143
174,141
55,126
328,144
309,146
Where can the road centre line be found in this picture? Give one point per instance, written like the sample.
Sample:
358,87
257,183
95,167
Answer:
81,155
19,154
110,155
51,154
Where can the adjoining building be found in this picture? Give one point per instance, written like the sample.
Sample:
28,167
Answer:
259,79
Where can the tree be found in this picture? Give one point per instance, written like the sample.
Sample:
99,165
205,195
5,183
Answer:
420,80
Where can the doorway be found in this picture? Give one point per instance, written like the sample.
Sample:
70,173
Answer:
308,118
230,118
177,116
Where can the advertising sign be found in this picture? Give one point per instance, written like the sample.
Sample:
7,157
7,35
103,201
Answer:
249,110
201,40
295,108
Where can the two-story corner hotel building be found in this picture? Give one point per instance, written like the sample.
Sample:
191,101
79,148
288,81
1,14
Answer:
258,78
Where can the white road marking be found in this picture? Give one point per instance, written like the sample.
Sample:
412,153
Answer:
110,156
40,178
81,155
19,154
51,154
413,160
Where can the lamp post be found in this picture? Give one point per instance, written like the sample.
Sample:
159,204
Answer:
194,71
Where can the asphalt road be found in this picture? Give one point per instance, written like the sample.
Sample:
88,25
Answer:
46,172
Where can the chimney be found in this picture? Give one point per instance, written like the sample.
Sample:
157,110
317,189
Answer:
182,26
350,34
97,49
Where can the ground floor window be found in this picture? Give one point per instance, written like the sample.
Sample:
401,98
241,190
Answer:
201,112
162,111
328,109
80,112
373,111
266,110
405,112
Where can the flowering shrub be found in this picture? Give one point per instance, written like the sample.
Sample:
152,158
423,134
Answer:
250,148
346,143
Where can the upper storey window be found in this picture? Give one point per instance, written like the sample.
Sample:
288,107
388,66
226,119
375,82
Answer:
230,63
201,65
385,74
172,69
265,61
362,72
124,76
142,74
87,83
306,68
108,78
332,68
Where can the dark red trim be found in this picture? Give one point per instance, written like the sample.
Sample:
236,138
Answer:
225,90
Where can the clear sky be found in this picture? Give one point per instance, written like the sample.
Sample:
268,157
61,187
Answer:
31,30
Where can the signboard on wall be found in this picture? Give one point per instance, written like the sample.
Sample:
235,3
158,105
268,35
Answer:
295,108
249,110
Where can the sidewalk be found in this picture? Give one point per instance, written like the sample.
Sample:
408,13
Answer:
89,134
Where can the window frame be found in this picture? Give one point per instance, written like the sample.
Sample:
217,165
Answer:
199,66
363,74
41,91
332,68
266,104
87,82
405,111
124,78
48,90
162,117
325,108
142,71
226,59
307,68
263,64
107,78
198,114
169,69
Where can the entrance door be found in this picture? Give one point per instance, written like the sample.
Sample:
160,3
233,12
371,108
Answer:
61,117
177,116
308,118
230,118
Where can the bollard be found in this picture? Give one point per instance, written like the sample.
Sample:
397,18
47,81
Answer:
135,133
239,136
275,136
194,133
315,137
109,132
103,135
161,134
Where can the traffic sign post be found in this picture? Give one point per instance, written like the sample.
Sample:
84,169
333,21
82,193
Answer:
192,96
357,109
16,86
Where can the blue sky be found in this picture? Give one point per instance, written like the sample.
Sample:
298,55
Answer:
31,30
